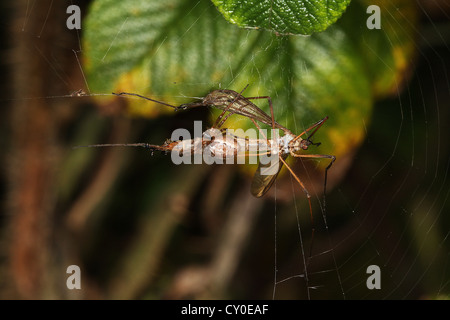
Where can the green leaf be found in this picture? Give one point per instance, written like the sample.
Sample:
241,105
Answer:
283,17
119,34
189,50
388,51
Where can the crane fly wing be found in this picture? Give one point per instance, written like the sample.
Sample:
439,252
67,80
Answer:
262,183
240,105
233,102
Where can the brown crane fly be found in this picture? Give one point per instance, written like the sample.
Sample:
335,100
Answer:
232,102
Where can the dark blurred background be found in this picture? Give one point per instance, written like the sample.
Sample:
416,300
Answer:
141,227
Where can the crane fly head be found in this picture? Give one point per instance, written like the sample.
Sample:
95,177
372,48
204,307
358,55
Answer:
299,145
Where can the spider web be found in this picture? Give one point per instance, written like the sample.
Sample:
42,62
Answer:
389,209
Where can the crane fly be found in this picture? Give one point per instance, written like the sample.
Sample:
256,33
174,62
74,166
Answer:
227,145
